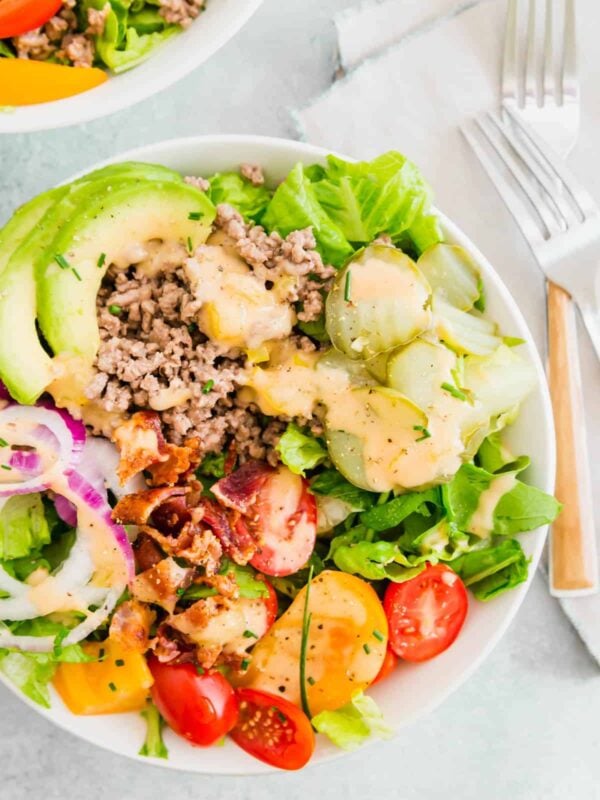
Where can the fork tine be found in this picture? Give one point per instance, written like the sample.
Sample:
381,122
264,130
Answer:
492,126
553,164
562,209
569,81
513,201
531,57
509,62
548,78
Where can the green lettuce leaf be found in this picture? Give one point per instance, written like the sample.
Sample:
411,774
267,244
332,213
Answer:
295,206
494,456
522,508
331,483
154,746
351,725
391,514
300,451
32,672
230,187
23,526
490,571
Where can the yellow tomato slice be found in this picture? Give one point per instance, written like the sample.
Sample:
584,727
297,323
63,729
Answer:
346,644
118,681
24,82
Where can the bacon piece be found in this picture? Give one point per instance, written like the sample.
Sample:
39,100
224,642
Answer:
141,444
231,532
240,489
170,516
225,585
160,584
171,647
130,625
137,508
147,552
197,545
180,461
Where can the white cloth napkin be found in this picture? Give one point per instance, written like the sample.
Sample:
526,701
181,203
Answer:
415,70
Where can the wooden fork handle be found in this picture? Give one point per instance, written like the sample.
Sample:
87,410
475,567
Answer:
573,564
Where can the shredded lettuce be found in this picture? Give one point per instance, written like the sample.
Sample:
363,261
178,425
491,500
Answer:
154,746
23,526
32,672
300,451
230,187
351,725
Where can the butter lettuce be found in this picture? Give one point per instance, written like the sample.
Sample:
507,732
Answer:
230,187
352,725
23,526
300,451
331,483
492,570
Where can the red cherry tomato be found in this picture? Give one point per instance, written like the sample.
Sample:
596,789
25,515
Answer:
201,708
284,520
273,730
390,662
426,613
20,16
272,604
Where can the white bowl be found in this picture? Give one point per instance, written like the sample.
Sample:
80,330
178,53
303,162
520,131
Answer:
170,62
414,690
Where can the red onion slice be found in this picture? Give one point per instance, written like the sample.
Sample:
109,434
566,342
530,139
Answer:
66,510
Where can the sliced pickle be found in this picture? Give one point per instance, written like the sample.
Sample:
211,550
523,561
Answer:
378,301
419,370
466,333
452,274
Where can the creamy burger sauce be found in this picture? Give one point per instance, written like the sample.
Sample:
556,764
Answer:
382,422
482,521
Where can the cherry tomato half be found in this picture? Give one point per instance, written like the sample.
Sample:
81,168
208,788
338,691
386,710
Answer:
20,16
426,613
273,730
285,523
390,662
200,707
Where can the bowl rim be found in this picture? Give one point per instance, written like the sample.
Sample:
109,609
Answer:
152,152
68,112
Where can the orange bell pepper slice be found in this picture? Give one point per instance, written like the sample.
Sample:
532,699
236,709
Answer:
24,82
118,681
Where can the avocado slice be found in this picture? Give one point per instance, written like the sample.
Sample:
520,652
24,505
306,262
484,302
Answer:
25,366
108,224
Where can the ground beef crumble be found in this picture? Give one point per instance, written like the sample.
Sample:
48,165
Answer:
180,12
152,353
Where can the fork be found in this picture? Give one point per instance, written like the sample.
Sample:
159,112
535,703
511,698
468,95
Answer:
561,224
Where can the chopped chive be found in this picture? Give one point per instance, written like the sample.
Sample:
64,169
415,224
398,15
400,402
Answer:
310,680
378,635
195,215
62,261
77,275
101,654
424,431
112,687
208,386
245,664
180,591
282,717
454,391
199,670
250,635
6,467
190,246
3,443
101,260
115,310
366,648
306,619
119,662
347,286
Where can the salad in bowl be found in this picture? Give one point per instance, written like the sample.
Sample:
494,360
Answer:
256,455
64,62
